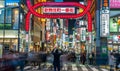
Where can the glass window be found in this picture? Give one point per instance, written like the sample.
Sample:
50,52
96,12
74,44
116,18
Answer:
8,16
1,15
15,18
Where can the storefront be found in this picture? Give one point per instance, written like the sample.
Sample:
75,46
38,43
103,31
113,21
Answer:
114,38
10,39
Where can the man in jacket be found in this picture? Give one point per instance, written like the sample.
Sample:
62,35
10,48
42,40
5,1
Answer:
56,63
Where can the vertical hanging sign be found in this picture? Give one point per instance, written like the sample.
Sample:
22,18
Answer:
1,51
104,19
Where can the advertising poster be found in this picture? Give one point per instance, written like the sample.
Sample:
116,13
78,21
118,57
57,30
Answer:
113,24
104,50
114,3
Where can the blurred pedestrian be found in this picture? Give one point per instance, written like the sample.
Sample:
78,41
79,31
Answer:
83,57
56,62
90,58
111,61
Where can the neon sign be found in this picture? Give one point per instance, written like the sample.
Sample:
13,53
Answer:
85,8
59,10
114,3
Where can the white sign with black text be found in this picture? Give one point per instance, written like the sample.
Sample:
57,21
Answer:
104,25
83,34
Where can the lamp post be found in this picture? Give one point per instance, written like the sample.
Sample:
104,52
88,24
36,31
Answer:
19,27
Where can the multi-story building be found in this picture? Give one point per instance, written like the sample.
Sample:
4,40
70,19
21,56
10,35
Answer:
10,24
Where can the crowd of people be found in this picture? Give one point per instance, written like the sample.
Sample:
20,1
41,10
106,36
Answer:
57,57
114,60
61,57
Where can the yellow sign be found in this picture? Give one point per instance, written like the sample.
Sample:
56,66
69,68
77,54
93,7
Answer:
110,48
80,10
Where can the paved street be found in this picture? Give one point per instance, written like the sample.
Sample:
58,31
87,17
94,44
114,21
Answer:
66,67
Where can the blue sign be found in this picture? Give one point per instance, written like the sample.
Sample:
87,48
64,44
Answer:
58,0
12,1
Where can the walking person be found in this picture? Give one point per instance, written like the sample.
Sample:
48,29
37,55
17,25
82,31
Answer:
84,58
56,62
90,59
111,61
81,61
93,57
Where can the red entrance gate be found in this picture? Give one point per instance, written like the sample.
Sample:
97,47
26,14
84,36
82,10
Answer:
85,8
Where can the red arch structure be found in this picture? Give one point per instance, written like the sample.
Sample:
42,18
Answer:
85,11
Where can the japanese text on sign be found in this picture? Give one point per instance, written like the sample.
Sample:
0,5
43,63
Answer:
59,10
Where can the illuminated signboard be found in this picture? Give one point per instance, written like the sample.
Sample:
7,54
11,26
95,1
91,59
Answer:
1,51
71,4
83,34
11,2
59,10
114,3
104,19
1,4
104,25
113,25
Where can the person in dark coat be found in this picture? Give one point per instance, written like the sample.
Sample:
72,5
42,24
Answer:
56,62
90,58
84,58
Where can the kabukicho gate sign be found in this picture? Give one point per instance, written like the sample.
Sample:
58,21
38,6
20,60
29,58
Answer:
50,8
